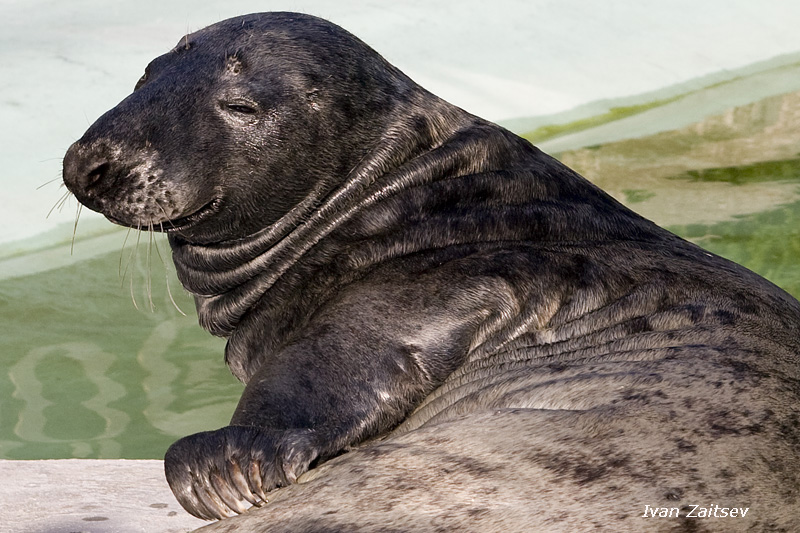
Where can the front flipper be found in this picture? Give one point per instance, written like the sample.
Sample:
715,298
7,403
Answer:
354,371
216,474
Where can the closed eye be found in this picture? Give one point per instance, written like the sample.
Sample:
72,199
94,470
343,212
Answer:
240,108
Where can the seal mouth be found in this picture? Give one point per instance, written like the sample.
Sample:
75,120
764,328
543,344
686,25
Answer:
175,225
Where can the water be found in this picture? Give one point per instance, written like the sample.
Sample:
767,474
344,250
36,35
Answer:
90,375
730,183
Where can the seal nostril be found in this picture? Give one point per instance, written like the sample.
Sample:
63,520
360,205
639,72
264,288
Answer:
97,173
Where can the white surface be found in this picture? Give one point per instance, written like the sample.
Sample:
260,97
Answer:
89,496
62,64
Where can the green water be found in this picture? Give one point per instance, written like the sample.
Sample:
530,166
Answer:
767,243
87,374
763,171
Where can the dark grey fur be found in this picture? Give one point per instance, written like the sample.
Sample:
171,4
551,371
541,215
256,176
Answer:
533,355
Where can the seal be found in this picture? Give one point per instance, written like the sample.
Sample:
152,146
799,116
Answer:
439,326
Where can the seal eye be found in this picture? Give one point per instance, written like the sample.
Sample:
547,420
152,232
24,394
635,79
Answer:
240,108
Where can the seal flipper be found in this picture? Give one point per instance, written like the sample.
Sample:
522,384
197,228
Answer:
216,474
348,378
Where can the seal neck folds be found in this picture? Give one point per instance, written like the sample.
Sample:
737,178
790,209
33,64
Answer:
229,278
437,179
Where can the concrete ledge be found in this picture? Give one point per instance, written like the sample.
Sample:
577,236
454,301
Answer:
92,496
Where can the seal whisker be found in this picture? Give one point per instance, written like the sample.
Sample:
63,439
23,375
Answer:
48,182
166,274
133,258
166,216
63,202
149,270
120,273
59,203
75,227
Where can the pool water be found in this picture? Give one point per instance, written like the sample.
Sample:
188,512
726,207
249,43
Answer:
91,374
730,183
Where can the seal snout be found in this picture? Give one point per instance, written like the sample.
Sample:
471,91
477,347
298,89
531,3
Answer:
88,173
126,185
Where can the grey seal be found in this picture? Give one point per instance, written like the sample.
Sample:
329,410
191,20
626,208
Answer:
439,326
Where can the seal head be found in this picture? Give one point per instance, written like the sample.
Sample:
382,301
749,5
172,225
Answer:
251,100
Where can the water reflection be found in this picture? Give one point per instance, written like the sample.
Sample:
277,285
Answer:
160,356
731,183
88,375
91,376
741,162
68,404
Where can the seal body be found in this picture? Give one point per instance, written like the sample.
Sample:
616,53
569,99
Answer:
497,343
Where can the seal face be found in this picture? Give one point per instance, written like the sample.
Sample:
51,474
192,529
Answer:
386,265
